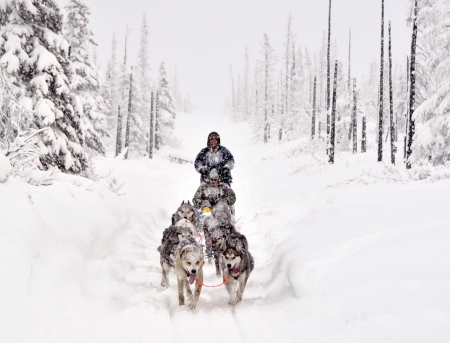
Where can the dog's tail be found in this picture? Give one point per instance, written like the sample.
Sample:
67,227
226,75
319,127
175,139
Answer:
159,248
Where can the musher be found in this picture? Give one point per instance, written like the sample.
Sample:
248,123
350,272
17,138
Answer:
211,192
215,156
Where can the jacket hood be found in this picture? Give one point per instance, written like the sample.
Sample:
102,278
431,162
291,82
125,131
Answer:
218,140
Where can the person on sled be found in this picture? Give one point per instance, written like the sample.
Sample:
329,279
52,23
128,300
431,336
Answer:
215,156
211,192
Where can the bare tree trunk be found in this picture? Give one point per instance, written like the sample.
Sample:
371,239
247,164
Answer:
313,124
391,100
381,109
412,88
354,119
328,75
157,124
407,109
119,132
152,124
333,117
127,132
363,135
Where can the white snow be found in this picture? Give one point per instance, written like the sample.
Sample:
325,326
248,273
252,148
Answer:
351,252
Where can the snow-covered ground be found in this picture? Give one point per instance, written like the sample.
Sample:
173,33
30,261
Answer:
351,252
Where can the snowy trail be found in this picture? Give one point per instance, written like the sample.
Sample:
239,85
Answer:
341,253
282,206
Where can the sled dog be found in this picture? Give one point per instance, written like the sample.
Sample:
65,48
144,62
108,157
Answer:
172,237
188,268
185,211
171,231
238,263
216,229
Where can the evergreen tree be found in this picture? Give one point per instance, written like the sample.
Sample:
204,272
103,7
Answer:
166,115
432,140
110,88
86,80
268,56
35,58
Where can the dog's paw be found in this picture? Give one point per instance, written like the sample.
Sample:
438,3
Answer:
233,302
192,304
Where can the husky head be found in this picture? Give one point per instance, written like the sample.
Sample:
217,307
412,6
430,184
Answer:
186,223
236,248
232,260
222,213
191,258
184,233
186,211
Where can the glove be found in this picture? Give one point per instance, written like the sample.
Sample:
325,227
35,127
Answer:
206,209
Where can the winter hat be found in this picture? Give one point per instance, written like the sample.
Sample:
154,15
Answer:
214,175
213,133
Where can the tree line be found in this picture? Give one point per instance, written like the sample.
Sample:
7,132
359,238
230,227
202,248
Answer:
49,69
396,107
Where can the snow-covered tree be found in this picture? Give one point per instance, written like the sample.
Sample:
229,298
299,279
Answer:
166,113
140,111
432,139
177,96
86,79
110,90
35,58
268,66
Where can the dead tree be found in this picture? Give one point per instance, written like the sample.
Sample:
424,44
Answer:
328,72
391,101
405,140
119,132
313,122
412,88
381,107
333,117
127,132
354,119
363,134
151,142
157,123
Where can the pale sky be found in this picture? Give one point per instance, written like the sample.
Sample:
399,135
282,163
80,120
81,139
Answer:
202,37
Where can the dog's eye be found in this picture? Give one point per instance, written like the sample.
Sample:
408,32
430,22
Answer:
188,262
197,262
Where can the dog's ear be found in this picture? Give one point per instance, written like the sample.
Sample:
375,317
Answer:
182,203
188,202
240,246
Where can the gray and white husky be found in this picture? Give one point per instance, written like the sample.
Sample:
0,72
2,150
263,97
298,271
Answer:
238,263
172,237
185,211
189,268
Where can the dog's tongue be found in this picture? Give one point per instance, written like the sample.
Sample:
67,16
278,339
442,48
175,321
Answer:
235,270
192,278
